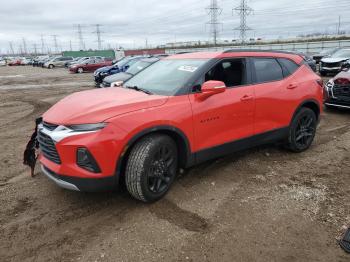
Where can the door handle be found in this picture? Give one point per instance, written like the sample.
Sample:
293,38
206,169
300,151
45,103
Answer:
292,86
247,98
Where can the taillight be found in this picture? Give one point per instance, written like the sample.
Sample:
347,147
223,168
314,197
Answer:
342,81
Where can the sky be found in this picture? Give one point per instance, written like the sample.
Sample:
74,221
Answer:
133,23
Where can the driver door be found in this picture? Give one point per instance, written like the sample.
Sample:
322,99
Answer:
228,116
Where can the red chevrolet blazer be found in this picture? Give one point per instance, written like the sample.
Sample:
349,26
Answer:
180,111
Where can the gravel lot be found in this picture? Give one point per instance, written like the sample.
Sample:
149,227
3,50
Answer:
264,204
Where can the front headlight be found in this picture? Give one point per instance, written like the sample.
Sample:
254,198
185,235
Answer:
329,85
117,84
87,127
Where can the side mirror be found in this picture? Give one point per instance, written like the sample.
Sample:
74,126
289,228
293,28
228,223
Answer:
211,88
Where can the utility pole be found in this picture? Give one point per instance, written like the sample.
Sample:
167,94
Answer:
11,48
42,44
214,11
98,33
35,49
24,46
243,10
55,43
339,24
80,37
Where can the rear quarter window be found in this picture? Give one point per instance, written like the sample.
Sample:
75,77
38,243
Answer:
289,67
267,70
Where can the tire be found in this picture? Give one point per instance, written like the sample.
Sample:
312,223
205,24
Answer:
302,130
80,70
151,168
51,66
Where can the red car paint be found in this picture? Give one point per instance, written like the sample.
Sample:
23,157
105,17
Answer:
16,62
89,67
234,114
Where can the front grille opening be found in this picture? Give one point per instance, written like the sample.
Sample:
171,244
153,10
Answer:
48,148
49,126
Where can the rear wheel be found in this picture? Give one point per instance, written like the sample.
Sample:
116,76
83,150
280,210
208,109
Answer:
51,66
80,70
302,131
151,167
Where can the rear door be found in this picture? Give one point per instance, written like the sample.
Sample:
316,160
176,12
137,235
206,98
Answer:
228,116
274,87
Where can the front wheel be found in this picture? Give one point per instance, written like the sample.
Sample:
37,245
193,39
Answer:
302,130
151,167
51,66
80,70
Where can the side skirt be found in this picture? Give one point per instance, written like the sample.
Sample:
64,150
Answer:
238,145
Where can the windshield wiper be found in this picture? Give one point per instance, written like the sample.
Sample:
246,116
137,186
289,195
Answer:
136,88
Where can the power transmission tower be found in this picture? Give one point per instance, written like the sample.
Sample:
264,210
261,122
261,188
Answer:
80,36
24,46
70,45
35,49
98,33
214,11
11,48
42,44
55,43
243,10
338,25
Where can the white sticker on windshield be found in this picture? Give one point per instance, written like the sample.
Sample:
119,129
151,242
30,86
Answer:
188,68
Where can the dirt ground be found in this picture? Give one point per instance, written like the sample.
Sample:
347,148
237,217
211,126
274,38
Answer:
264,204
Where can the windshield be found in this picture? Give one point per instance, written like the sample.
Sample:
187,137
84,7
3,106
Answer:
166,77
341,54
137,67
122,63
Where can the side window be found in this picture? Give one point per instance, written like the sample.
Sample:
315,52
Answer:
288,65
231,72
267,70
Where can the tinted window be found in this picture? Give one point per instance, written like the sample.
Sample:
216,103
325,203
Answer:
289,66
231,72
267,70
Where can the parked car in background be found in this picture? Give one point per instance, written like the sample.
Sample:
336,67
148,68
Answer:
118,67
15,62
333,64
310,61
69,63
38,59
43,61
337,90
2,62
179,112
57,62
119,78
323,54
26,61
89,65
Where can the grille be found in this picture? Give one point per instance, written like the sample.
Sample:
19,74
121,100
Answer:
48,148
332,64
49,126
342,92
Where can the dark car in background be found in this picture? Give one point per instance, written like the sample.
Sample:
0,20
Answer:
310,61
119,78
324,53
118,67
334,63
337,91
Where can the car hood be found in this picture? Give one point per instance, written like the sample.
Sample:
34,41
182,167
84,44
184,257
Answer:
104,69
117,77
98,105
343,74
334,60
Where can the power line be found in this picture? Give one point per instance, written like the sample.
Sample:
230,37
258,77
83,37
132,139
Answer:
80,37
42,44
214,11
243,10
55,43
98,34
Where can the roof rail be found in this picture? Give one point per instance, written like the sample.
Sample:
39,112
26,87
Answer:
259,50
